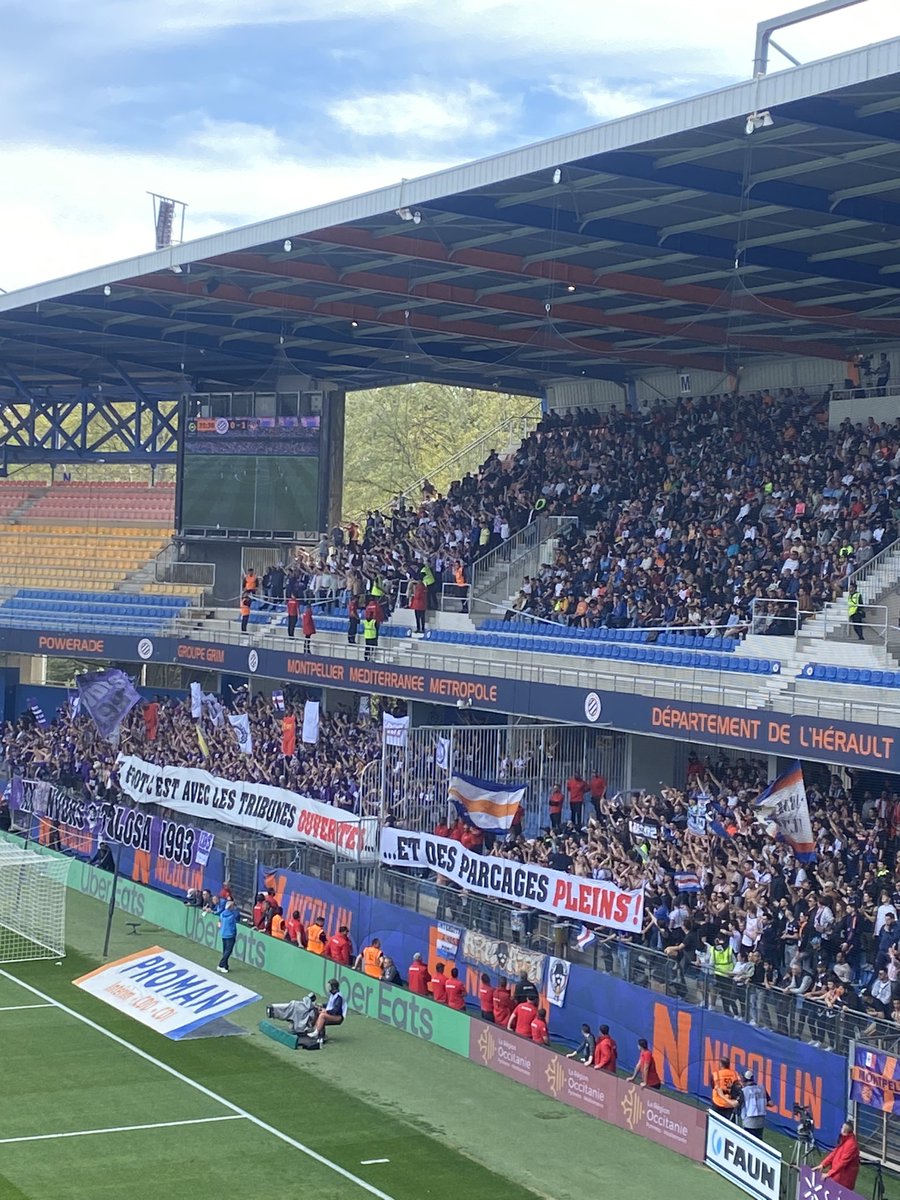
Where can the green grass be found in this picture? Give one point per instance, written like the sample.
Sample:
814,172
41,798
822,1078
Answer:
448,1127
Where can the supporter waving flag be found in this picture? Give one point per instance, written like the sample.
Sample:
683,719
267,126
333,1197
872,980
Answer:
488,806
108,697
784,808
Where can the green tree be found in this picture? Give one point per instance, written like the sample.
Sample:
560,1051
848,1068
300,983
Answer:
395,436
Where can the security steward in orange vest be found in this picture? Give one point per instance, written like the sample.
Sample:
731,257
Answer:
726,1090
370,959
246,600
315,936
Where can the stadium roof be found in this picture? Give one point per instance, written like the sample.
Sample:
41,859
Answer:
672,238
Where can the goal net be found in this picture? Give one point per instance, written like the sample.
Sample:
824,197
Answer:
32,904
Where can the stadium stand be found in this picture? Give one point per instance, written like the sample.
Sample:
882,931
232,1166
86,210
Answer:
686,512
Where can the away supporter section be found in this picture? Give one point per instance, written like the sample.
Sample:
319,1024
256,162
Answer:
539,887
259,807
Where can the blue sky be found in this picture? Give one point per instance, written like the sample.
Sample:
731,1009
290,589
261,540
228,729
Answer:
250,108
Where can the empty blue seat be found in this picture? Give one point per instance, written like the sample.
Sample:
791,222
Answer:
875,678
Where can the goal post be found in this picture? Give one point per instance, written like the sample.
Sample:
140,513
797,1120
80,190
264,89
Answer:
32,904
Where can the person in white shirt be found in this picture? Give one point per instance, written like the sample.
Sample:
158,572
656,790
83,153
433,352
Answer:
882,911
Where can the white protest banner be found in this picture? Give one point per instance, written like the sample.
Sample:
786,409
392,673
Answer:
396,729
258,806
165,991
310,733
566,896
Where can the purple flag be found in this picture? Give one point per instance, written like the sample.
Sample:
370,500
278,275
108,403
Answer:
108,697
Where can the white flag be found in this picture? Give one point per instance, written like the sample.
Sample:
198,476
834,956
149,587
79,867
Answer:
241,726
396,730
311,722
442,753
196,701
214,709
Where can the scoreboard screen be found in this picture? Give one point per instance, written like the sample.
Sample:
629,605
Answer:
251,472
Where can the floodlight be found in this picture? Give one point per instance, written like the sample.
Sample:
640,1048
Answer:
759,120
288,245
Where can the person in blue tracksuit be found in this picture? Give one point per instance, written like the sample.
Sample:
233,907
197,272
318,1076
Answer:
228,929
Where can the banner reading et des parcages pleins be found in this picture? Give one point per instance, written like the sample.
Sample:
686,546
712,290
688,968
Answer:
260,807
591,901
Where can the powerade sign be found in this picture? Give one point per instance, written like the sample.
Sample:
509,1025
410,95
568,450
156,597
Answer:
164,991
749,1163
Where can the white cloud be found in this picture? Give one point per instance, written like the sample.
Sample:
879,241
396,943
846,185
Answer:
605,103
74,208
426,115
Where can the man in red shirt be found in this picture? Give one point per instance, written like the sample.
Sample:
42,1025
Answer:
540,1034
419,976
486,998
502,1003
598,791
339,948
556,806
576,787
438,984
646,1067
520,1019
842,1164
456,991
606,1052
294,931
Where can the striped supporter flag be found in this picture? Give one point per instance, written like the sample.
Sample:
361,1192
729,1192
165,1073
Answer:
488,806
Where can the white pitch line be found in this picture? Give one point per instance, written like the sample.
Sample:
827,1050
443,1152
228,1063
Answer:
199,1087
49,1137
20,1007
367,1162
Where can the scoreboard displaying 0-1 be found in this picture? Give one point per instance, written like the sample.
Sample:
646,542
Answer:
251,472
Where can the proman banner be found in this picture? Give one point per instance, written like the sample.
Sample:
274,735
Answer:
258,806
589,900
165,991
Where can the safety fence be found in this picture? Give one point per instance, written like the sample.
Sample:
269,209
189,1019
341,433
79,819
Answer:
772,1008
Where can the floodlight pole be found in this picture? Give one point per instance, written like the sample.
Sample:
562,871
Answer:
765,29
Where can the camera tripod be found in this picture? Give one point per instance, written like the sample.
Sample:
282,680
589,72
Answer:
878,1184
803,1148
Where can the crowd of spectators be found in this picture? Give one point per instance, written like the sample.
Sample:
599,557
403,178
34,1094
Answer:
734,916
727,904
71,751
686,511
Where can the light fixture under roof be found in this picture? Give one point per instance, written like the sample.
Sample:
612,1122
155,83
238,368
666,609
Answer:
288,245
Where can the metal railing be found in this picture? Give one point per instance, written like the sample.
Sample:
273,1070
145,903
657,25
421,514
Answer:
798,1017
504,567
632,678
169,568
862,573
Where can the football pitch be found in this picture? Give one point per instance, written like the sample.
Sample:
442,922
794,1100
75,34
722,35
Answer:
95,1105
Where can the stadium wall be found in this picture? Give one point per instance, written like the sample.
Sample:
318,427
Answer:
688,1040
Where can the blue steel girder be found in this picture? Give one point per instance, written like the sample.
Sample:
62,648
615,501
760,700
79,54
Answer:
262,357
730,184
633,233
45,429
